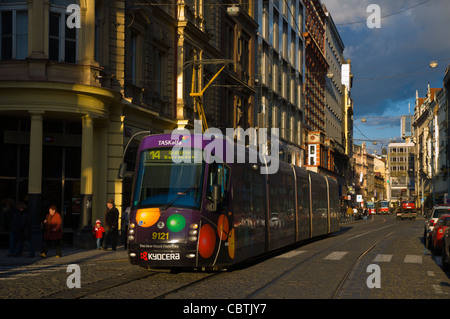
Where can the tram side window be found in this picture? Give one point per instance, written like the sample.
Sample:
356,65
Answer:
218,175
252,195
303,195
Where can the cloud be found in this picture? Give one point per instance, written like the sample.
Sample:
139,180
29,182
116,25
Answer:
382,121
390,63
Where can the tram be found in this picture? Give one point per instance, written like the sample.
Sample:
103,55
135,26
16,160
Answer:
191,212
382,207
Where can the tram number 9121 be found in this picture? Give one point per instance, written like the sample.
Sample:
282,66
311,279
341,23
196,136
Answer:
160,236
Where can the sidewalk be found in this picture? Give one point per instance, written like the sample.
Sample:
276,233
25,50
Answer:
70,256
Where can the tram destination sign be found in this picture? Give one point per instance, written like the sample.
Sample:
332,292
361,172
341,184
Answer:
168,155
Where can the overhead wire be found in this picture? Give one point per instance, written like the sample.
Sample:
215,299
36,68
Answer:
387,15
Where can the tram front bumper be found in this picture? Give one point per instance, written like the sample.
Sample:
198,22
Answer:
162,257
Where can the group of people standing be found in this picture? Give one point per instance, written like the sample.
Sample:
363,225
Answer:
355,213
21,230
110,233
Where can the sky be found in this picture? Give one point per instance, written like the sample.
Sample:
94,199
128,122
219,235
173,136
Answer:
391,62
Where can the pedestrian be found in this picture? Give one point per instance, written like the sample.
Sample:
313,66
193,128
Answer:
111,225
52,232
6,212
349,213
365,214
98,232
24,231
14,226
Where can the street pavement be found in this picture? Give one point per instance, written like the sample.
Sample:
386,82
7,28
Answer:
71,255
37,277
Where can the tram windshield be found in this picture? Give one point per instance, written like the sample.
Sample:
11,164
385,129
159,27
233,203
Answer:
161,182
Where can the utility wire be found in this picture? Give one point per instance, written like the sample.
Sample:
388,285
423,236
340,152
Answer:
388,15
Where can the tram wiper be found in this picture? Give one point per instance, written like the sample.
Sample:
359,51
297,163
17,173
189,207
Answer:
179,194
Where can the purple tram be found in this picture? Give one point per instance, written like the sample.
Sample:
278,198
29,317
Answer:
210,214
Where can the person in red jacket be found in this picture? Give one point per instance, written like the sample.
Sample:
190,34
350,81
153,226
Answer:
52,232
98,232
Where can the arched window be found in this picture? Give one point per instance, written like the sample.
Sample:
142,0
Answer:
62,40
13,29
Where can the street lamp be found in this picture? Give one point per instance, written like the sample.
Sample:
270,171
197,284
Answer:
233,10
433,64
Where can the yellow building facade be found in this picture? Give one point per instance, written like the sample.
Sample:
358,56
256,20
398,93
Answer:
64,112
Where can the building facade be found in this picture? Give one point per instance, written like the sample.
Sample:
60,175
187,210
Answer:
438,129
72,96
61,108
279,75
381,184
335,102
401,157
430,144
316,66
364,177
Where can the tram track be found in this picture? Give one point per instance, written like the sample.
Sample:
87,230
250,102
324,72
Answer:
99,286
348,274
190,282
106,284
186,280
188,285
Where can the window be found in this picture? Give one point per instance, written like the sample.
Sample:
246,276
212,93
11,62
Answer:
13,30
160,182
218,175
98,29
159,65
243,55
265,20
133,57
312,155
229,48
62,40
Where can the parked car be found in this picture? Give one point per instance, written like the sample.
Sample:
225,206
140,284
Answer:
431,219
438,233
446,250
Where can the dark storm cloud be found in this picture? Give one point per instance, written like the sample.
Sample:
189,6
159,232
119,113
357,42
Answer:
390,63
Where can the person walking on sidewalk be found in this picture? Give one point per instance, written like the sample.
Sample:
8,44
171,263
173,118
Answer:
52,232
24,235
111,225
98,232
